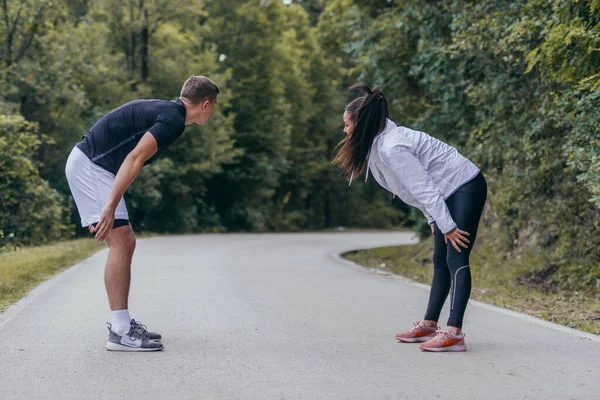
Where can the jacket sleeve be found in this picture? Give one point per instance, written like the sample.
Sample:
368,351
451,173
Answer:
411,173
430,219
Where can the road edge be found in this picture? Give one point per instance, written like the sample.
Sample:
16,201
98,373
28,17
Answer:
15,309
535,320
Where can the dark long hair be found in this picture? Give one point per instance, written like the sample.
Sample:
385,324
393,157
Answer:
368,113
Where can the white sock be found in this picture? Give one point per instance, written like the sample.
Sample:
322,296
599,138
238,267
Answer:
121,322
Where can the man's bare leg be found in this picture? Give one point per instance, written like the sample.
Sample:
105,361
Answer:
117,275
125,335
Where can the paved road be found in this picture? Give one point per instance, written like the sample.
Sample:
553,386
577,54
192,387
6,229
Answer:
273,317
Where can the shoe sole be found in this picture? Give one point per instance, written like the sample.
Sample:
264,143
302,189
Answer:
456,347
110,346
415,340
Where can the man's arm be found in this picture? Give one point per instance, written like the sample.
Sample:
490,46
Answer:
127,173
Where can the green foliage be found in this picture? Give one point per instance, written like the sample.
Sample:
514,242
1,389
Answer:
287,105
582,147
30,211
514,85
261,163
245,34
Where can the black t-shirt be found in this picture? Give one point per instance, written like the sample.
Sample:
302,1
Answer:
113,137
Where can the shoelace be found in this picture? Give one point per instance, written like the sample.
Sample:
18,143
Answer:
139,329
418,323
416,326
442,334
138,325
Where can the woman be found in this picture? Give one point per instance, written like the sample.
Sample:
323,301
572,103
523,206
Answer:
432,176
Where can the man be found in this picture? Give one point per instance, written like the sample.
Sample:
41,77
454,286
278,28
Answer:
105,163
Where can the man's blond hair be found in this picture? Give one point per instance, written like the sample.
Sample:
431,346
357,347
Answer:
197,88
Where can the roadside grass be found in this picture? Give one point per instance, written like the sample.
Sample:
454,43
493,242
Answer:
517,282
23,269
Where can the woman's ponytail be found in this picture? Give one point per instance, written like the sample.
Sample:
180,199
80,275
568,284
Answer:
369,114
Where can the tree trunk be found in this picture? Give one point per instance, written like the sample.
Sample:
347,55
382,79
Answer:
131,46
9,34
144,48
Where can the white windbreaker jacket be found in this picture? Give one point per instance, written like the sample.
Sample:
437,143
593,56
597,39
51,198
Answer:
423,171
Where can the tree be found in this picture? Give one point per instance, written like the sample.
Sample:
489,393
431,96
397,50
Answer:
246,35
513,84
30,211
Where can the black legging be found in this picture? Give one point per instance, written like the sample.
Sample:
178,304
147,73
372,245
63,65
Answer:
450,268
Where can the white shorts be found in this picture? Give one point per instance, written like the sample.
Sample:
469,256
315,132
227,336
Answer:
91,186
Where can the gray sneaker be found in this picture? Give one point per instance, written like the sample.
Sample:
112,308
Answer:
142,328
134,340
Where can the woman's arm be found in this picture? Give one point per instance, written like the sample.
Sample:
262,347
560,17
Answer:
414,177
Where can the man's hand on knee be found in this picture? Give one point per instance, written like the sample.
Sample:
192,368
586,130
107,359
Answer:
105,225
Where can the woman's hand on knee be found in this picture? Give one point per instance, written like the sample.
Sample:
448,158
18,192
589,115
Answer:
457,238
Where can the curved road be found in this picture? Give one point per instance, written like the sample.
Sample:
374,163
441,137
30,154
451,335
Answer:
274,317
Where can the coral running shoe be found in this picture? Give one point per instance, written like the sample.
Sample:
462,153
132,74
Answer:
420,333
445,341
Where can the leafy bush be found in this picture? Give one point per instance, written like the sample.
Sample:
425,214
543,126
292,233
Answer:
30,210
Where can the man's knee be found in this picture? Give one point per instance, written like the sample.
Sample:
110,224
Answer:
122,238
130,243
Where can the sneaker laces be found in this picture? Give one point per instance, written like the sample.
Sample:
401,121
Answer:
420,323
138,325
416,326
139,329
443,334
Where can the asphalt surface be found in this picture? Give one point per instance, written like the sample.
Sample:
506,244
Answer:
274,317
